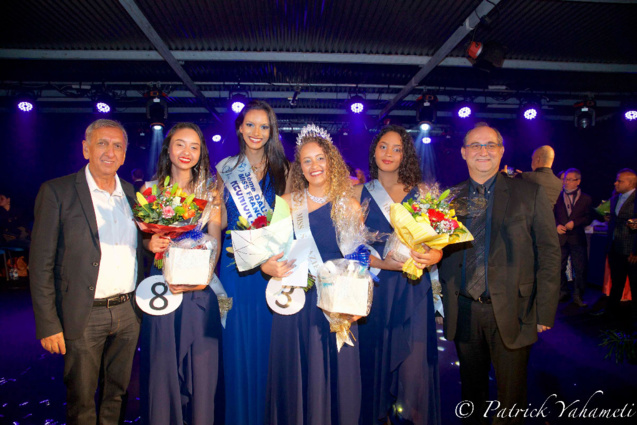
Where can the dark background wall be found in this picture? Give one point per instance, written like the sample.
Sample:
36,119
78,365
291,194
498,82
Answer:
38,147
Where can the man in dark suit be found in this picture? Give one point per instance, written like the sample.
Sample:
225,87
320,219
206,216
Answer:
84,257
572,214
622,241
500,290
542,174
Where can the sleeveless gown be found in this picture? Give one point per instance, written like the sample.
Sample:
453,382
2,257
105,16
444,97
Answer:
180,363
246,338
399,354
309,382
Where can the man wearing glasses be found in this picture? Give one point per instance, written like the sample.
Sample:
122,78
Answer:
500,290
572,214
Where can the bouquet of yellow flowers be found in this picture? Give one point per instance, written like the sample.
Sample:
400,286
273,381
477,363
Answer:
429,220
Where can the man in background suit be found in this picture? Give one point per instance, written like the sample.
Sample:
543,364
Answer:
622,241
500,290
572,214
542,174
84,257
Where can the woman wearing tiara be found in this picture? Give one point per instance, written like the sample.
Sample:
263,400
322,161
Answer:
310,382
398,338
180,364
258,172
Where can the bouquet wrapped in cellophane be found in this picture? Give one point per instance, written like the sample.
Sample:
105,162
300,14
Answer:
427,220
345,286
266,236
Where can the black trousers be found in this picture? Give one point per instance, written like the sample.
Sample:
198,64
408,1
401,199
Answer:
620,268
108,344
579,263
479,344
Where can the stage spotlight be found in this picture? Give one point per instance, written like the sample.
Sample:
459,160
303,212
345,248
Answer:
156,109
426,140
157,126
631,115
530,110
424,126
584,114
464,111
216,138
486,56
238,102
426,107
356,104
103,107
25,102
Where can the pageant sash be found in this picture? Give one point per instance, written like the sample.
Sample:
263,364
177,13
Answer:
380,196
244,188
301,222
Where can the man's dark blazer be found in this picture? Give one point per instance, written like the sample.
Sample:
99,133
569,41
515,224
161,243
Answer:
544,177
65,255
523,264
581,215
612,223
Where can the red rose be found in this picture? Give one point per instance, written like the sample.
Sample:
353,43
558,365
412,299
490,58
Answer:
259,222
151,199
415,207
148,191
435,216
454,224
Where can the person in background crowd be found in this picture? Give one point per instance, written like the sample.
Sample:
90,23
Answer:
573,212
541,163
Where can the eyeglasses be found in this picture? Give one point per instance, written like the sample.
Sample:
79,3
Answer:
476,147
571,180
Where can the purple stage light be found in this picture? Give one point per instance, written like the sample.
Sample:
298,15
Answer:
425,126
216,138
530,113
464,112
631,115
426,140
237,106
357,107
103,107
25,106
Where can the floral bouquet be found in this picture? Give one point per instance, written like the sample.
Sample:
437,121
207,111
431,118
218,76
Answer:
345,286
603,208
266,236
428,220
168,212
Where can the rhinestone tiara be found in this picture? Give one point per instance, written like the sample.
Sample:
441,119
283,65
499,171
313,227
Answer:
312,130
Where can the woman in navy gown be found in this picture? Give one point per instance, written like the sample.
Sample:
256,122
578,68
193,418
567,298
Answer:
399,357
180,364
310,382
247,333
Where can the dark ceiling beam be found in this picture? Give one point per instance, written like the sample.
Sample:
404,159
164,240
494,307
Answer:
459,34
162,48
345,58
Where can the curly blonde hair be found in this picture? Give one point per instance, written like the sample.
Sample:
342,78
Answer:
340,185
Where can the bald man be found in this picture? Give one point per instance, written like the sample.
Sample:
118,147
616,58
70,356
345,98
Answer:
622,241
542,174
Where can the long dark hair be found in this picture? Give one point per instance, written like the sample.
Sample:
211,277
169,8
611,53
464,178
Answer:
275,161
201,170
409,173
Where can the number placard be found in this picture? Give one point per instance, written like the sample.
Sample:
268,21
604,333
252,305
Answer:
154,297
285,300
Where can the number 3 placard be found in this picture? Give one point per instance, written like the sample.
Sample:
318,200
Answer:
285,300
154,297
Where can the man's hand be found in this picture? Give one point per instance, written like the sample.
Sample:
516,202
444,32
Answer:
561,229
570,225
632,258
542,328
632,224
54,344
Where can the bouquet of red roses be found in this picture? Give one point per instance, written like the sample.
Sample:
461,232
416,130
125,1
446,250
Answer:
168,212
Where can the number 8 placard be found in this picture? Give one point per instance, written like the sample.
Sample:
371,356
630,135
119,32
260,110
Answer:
154,297
285,300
